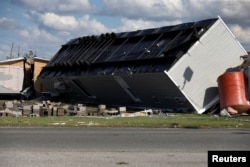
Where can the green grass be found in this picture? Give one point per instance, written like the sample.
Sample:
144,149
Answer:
172,121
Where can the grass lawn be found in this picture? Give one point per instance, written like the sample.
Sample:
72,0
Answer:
171,121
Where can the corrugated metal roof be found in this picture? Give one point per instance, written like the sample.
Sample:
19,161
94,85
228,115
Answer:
154,47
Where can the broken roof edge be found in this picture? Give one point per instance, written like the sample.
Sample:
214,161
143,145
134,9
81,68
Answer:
12,60
197,28
23,58
41,58
135,33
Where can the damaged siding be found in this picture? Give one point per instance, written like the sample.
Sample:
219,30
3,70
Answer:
17,74
38,64
11,76
11,79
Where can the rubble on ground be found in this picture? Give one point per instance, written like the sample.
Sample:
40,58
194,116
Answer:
17,108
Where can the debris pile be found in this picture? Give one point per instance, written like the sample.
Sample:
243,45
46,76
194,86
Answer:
47,108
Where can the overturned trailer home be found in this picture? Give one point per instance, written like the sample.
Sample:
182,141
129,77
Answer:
172,67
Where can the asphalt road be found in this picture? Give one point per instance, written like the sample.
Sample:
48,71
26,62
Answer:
114,147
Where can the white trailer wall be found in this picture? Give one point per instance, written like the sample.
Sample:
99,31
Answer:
196,72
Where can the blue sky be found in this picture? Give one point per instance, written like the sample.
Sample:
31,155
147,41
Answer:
44,25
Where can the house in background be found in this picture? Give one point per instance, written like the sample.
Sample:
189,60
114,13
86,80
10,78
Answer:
173,67
18,74
37,64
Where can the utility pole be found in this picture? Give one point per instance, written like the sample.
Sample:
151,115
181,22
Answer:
11,50
18,53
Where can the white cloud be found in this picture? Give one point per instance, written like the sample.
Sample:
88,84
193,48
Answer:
75,5
202,8
150,9
59,22
89,26
139,24
177,9
54,30
39,40
243,34
236,9
34,33
7,23
57,6
70,24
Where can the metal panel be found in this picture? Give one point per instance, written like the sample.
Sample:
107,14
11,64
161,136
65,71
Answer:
196,72
157,91
101,89
139,90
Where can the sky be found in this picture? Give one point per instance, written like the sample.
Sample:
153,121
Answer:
42,26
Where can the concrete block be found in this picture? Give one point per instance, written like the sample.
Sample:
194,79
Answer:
148,112
122,109
82,108
68,112
54,111
27,109
60,112
79,105
36,107
50,110
44,103
81,113
47,111
101,107
111,112
41,111
9,104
